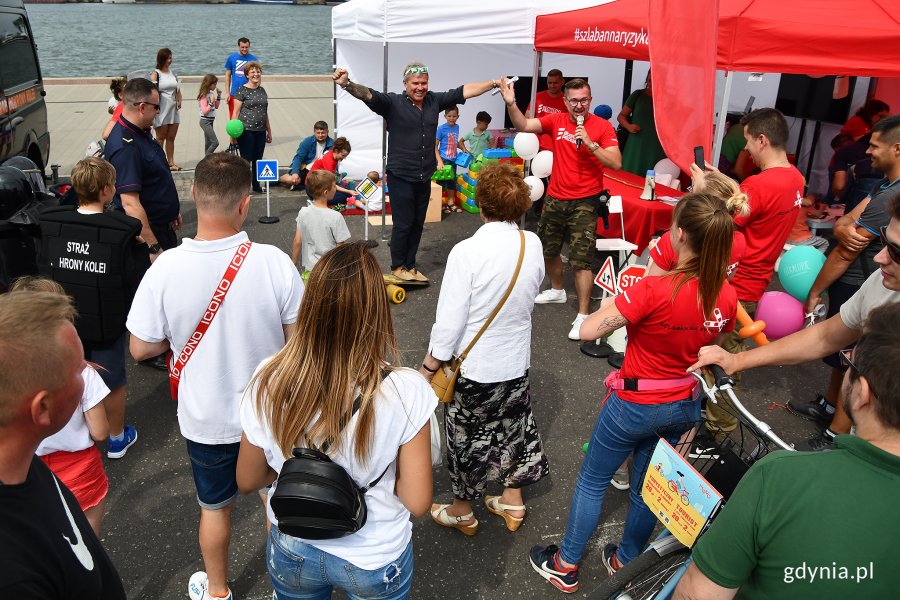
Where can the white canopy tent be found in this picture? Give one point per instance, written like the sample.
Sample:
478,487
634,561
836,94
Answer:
461,42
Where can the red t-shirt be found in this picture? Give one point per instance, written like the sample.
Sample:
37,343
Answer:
326,163
117,112
856,127
775,198
576,173
663,254
665,333
547,105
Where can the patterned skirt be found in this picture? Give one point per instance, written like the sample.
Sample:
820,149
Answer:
492,436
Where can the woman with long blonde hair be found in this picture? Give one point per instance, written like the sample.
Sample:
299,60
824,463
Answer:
343,348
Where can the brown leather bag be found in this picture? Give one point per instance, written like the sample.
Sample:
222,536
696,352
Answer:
444,381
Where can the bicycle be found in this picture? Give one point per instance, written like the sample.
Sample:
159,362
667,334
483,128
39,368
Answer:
721,458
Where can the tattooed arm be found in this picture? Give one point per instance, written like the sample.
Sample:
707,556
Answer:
342,78
604,321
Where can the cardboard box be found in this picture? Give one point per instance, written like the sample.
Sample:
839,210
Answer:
433,214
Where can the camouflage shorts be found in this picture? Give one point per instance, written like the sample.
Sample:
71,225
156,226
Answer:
572,221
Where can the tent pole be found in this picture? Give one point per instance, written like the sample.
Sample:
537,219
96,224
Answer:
720,121
384,88
535,75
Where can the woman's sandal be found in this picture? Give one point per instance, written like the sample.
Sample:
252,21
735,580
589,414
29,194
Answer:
455,208
494,505
174,167
440,516
446,210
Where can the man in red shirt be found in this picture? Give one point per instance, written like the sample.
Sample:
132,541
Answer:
580,154
549,102
775,194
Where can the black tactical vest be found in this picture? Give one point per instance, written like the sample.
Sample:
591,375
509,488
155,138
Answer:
97,260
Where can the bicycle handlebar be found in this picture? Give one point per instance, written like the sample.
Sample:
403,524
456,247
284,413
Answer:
725,384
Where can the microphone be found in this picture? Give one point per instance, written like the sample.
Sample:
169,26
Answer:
579,121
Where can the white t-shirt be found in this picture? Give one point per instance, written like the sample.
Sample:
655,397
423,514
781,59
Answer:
402,408
870,296
320,150
247,329
321,229
75,436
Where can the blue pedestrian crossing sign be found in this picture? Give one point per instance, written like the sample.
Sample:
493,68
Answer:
267,170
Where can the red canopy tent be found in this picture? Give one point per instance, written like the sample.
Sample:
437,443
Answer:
811,37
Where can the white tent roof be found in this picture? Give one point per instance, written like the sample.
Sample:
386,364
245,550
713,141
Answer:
457,22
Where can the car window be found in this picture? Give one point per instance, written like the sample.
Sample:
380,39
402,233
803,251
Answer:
18,64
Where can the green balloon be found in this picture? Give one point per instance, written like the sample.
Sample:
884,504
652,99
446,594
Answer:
234,128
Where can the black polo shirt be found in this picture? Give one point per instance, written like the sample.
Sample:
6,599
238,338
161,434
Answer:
142,168
412,131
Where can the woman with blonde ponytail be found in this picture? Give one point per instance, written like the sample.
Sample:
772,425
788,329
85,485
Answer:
343,348
668,320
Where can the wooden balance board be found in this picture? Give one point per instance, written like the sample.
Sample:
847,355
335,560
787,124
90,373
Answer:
396,287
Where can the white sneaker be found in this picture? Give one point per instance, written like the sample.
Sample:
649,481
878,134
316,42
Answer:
575,332
551,296
197,588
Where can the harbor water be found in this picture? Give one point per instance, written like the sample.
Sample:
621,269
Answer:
100,40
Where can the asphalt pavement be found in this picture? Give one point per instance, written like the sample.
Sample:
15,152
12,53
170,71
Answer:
150,528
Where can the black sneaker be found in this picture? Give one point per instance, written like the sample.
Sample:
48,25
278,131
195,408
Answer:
610,560
819,442
543,560
158,362
816,410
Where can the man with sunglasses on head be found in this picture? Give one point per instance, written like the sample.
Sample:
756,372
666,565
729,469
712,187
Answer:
412,119
583,146
847,267
832,335
145,189
767,543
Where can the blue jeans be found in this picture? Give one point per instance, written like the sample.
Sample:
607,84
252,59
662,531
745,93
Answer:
301,571
622,428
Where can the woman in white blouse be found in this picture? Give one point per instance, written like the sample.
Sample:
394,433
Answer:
491,433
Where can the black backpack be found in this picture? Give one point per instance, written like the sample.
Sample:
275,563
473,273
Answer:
315,498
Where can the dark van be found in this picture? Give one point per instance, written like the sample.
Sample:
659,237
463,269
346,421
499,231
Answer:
23,112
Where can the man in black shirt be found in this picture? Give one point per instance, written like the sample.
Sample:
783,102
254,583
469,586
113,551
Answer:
47,548
412,119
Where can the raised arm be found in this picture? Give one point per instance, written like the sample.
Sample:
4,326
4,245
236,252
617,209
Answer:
342,78
520,122
470,90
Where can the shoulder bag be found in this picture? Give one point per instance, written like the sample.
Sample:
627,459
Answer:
444,381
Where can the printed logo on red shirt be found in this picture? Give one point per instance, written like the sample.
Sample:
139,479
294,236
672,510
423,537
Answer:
717,322
799,202
562,134
543,109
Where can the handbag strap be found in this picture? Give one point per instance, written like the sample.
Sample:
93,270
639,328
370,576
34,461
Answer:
506,294
176,366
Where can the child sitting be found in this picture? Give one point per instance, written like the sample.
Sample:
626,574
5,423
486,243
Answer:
800,235
319,229
479,139
329,162
71,452
445,150
375,201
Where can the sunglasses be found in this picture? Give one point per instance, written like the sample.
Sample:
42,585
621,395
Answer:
847,363
156,106
892,248
576,101
416,71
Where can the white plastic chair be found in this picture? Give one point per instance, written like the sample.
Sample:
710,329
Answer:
667,167
621,245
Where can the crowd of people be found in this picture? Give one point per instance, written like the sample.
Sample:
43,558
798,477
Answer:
319,368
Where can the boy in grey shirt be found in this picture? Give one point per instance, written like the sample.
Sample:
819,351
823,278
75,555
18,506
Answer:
319,228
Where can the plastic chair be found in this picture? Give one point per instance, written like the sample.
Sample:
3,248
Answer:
621,245
668,167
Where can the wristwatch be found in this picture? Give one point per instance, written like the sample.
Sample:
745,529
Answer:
594,147
154,248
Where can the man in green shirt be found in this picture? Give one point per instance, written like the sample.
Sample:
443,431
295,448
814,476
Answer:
768,542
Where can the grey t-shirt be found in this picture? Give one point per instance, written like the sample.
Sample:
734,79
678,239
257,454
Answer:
321,229
870,296
876,215
254,108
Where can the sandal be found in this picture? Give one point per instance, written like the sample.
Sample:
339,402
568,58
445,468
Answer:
455,208
174,167
440,516
494,505
446,210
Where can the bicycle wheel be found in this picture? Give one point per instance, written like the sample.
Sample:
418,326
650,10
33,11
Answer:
643,577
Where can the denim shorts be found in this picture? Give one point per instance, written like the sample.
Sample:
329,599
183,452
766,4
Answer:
111,357
300,571
214,467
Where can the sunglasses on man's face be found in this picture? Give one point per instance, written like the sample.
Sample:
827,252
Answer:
156,106
846,359
892,248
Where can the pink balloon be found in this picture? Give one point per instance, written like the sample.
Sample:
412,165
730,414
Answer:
782,313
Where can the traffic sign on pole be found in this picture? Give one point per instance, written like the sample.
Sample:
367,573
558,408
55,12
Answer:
606,278
630,275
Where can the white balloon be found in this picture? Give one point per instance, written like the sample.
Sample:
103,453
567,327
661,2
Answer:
526,145
542,164
536,187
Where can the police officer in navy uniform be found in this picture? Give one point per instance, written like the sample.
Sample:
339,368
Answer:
145,189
